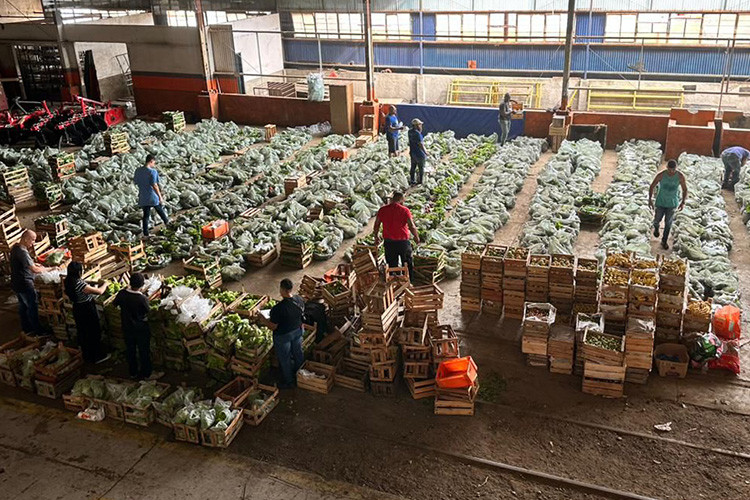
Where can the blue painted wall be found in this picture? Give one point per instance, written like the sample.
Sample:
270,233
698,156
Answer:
463,120
546,58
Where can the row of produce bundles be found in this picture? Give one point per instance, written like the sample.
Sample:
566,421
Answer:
554,225
485,210
629,220
701,230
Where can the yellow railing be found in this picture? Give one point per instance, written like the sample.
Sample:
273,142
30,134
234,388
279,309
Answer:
490,92
644,100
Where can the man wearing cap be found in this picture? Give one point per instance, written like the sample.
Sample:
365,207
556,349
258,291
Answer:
417,152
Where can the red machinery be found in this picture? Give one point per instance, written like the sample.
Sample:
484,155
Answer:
70,124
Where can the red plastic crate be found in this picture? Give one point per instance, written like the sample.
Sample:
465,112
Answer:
456,373
215,229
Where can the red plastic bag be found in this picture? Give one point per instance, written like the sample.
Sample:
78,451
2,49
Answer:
730,358
727,323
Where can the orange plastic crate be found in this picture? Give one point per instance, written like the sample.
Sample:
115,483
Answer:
215,229
456,373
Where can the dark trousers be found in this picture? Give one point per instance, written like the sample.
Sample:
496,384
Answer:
28,310
89,330
399,250
147,217
138,340
667,214
417,170
288,348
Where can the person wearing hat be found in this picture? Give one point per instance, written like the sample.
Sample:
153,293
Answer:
417,152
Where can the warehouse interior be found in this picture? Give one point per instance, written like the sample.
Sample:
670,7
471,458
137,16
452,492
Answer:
590,360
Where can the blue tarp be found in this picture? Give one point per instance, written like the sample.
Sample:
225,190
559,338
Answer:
462,120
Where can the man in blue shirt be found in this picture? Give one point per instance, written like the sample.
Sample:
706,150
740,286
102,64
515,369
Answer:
149,194
392,126
733,158
417,152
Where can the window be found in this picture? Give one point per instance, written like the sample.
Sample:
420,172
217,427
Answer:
350,26
391,26
181,18
682,27
743,28
497,26
80,15
653,27
327,25
448,27
717,26
304,25
555,27
620,27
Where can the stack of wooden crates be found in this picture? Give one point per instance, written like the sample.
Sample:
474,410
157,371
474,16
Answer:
641,322
535,330
670,309
471,277
514,281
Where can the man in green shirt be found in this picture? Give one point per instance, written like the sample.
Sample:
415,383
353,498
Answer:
667,198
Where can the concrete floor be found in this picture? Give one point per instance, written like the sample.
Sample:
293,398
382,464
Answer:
345,444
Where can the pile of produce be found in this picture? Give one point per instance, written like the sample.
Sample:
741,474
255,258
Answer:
485,209
592,207
227,330
178,399
644,278
701,231
554,224
208,416
253,337
608,342
628,222
615,277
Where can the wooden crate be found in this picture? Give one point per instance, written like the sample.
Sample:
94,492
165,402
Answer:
603,380
414,335
223,438
444,342
492,259
384,371
352,374
296,255
515,262
600,355
385,322
236,391
420,389
538,268
330,350
292,183
470,304
55,390
255,414
424,298
143,416
669,281
314,384
471,257
75,403
383,389
187,433
587,269
695,321
456,402
379,296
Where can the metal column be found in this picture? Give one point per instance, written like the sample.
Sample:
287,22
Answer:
369,53
568,54
204,44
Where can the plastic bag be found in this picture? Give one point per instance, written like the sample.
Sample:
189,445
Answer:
729,359
726,323
705,347
315,87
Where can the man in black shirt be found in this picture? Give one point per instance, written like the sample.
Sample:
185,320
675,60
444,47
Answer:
286,323
135,328
22,271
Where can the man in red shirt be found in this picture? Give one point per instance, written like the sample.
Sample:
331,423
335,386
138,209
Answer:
397,222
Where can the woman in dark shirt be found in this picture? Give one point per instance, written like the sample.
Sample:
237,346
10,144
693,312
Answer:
89,330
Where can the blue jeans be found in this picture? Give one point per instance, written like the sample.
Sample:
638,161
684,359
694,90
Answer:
504,131
732,166
28,309
147,217
288,348
417,170
392,143
667,213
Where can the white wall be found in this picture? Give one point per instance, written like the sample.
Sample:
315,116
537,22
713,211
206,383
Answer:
111,80
271,57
